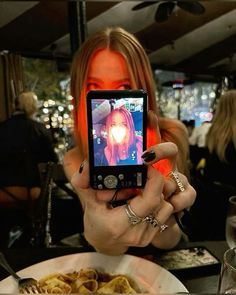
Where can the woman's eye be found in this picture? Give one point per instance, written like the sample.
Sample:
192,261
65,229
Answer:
124,87
123,125
92,86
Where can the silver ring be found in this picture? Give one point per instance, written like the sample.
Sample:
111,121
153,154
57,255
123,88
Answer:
154,222
133,218
163,227
174,175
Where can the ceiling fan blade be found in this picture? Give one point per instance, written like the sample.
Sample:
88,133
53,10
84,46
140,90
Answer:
191,6
164,10
143,5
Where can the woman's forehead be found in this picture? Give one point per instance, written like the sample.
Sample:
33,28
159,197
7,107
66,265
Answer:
105,61
118,116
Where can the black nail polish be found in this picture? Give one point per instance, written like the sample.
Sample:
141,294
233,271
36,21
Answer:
149,156
81,167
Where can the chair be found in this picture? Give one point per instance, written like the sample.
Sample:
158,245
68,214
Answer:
42,208
58,209
17,199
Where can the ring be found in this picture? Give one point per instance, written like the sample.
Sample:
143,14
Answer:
154,222
135,219
174,175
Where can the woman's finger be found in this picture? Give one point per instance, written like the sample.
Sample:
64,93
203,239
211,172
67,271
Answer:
150,199
182,200
153,132
165,212
162,156
179,192
80,179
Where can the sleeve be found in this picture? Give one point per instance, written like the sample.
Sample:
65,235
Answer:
193,137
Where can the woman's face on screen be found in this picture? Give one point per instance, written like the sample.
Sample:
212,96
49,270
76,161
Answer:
118,128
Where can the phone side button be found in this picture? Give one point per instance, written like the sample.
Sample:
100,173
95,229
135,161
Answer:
139,178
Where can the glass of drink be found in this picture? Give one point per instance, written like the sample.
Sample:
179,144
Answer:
227,282
230,230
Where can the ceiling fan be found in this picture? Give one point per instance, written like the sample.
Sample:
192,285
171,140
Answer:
165,8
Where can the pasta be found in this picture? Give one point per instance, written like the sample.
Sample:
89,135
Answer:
88,280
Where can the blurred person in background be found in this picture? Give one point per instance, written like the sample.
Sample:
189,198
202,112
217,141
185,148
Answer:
114,59
198,136
25,143
221,142
217,180
190,124
197,141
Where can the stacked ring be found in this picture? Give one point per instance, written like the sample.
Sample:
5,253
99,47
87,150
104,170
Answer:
135,219
154,223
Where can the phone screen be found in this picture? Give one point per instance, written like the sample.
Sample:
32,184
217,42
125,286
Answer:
117,133
119,124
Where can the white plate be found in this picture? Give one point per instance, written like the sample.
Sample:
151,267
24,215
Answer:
150,276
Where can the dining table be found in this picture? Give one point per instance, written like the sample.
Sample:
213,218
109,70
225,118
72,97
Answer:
204,281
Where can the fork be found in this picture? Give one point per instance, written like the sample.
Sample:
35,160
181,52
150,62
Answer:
25,285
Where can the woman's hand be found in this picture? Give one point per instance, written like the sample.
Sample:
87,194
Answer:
109,229
176,190
168,163
181,196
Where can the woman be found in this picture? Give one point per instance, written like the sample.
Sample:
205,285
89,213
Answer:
221,160
123,146
114,59
25,143
217,181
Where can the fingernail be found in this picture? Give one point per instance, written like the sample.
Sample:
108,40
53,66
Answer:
81,167
149,156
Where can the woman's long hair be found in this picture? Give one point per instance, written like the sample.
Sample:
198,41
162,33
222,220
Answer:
129,142
115,39
223,129
118,40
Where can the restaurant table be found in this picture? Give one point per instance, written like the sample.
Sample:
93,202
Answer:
195,282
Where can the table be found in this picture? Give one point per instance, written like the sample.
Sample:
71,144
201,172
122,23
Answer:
205,283
195,283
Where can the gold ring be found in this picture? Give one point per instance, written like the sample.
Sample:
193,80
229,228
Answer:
174,175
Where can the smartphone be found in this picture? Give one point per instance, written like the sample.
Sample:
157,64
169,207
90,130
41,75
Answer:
117,138
189,260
